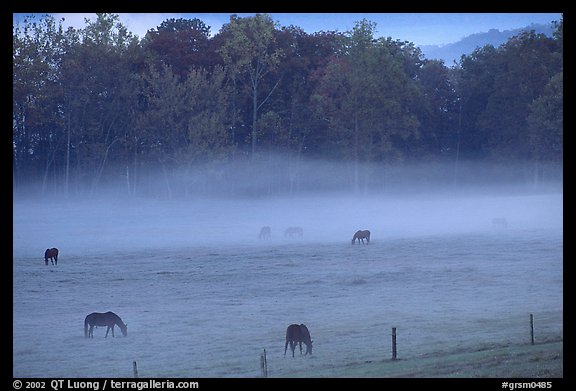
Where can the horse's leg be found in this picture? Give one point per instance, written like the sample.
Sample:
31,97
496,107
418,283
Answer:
300,344
56,260
285,347
91,331
293,347
112,331
107,330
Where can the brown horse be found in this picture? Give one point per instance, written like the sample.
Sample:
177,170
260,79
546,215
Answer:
296,334
109,319
360,236
52,255
265,233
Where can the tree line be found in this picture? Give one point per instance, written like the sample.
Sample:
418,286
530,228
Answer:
182,110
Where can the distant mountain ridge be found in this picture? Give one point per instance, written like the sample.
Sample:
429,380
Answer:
453,51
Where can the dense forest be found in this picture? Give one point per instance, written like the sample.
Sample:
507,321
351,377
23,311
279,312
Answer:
184,111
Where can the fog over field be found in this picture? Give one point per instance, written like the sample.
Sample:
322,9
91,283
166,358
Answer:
104,225
224,205
203,294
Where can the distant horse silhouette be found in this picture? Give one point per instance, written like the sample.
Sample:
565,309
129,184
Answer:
265,233
296,334
360,236
109,319
52,255
294,232
499,222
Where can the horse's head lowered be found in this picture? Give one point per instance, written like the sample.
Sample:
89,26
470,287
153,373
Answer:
361,235
123,329
308,347
298,334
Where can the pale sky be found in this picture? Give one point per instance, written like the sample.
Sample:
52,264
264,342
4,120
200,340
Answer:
419,28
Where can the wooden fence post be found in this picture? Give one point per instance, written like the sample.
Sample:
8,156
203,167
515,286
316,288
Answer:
394,351
532,329
264,364
135,368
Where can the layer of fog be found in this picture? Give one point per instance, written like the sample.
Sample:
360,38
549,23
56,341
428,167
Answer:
111,222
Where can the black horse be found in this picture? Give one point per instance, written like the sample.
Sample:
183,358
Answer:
360,236
296,334
52,255
109,319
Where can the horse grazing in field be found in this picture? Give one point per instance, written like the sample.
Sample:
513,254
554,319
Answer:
296,334
294,232
499,222
52,255
360,236
265,233
109,319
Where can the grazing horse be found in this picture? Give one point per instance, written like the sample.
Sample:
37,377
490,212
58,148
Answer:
109,319
361,235
499,222
294,232
265,233
296,334
52,255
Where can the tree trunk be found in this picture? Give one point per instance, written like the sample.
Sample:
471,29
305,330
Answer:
537,173
128,187
67,169
49,160
254,114
356,156
100,169
167,180
132,188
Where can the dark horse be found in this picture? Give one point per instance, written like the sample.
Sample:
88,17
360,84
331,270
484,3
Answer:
52,255
296,334
361,235
294,232
109,319
499,222
265,233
